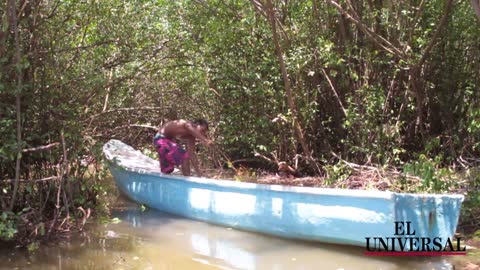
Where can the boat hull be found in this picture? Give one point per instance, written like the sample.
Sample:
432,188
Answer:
315,214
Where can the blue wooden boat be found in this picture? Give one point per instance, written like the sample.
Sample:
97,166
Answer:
337,216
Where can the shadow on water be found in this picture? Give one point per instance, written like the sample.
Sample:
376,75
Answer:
155,240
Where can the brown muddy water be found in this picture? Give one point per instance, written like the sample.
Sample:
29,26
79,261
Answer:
154,240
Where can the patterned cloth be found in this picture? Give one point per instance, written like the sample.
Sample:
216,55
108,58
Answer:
169,152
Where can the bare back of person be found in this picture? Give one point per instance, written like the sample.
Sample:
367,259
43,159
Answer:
177,130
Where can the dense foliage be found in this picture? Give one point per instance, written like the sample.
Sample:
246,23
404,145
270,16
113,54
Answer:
372,82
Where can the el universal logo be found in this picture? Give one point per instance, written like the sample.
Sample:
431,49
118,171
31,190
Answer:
405,243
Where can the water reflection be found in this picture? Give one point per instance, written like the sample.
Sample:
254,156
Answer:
232,249
154,240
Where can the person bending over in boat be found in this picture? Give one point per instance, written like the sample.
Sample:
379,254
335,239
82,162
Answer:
172,154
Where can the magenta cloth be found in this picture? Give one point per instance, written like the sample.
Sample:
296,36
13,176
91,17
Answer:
170,153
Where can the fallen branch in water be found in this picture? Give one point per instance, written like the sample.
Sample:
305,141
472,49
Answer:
85,215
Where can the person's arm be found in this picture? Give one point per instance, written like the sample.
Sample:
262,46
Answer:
193,157
197,134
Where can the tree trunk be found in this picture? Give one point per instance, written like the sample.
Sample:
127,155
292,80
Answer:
416,80
11,9
418,92
290,98
476,7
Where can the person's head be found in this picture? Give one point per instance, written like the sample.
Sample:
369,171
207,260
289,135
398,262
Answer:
201,125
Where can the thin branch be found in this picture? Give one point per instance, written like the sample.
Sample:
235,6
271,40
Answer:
46,179
256,154
334,92
108,89
41,148
353,165
3,204
377,39
419,12
261,9
433,40
145,126
19,14
66,172
372,32
135,125
52,13
126,110
359,167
